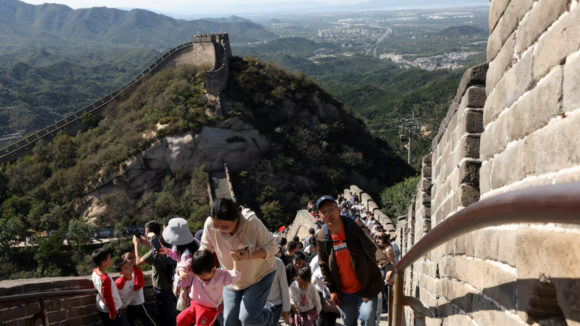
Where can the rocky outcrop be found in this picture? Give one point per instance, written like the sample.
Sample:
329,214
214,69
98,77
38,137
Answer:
233,142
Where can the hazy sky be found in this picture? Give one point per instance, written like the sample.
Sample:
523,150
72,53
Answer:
167,5
162,5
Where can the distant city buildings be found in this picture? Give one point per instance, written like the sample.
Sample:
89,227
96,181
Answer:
342,33
438,62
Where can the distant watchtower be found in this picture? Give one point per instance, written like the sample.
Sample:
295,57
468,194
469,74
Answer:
213,50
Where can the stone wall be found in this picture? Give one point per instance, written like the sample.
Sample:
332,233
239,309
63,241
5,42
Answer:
214,50
302,223
76,310
515,128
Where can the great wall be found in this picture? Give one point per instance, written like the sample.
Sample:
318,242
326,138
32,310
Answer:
211,50
513,125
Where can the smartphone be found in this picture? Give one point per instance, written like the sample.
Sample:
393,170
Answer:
156,244
137,234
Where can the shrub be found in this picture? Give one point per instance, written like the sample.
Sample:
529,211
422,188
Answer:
396,199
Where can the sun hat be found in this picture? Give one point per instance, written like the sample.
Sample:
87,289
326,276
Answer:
177,232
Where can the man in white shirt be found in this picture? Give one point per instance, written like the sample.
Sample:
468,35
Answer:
279,298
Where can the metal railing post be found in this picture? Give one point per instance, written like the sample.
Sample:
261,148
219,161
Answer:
398,299
40,314
390,306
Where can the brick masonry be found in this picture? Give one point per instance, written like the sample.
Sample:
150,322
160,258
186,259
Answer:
77,310
521,131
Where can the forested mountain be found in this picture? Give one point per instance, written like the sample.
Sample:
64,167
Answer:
308,146
375,89
23,23
39,88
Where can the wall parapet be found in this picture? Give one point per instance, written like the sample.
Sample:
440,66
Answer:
518,129
77,310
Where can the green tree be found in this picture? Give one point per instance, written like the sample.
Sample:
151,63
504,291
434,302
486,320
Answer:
12,230
272,214
397,198
53,257
79,233
268,194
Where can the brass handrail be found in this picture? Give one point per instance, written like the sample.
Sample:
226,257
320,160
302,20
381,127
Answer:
546,204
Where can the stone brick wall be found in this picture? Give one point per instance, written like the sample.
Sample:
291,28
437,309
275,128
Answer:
77,310
302,223
514,124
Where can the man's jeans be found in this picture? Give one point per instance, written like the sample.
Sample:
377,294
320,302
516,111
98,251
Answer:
248,307
349,303
277,312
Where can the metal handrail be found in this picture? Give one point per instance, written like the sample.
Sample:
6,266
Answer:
546,204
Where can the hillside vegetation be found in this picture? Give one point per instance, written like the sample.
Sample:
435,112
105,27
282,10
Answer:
47,190
40,88
376,90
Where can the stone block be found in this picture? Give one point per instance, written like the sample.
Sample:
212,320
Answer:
474,76
57,316
495,138
571,85
544,14
503,61
507,166
425,185
495,245
554,147
427,159
512,86
514,13
475,97
538,107
13,313
468,147
469,172
447,209
485,177
553,257
560,41
496,10
467,195
472,122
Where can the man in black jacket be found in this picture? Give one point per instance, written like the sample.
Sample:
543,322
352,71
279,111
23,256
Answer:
348,261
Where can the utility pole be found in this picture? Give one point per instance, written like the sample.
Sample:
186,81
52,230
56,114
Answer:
409,126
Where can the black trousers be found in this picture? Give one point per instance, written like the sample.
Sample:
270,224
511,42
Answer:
324,318
120,320
139,312
165,305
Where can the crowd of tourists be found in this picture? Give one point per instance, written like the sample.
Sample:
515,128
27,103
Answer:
234,272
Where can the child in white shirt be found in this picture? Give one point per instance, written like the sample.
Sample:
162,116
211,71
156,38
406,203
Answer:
304,299
108,299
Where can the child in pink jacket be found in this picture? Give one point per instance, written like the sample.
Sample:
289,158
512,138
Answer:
206,290
177,233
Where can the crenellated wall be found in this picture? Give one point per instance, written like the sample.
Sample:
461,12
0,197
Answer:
515,123
73,310
214,50
211,50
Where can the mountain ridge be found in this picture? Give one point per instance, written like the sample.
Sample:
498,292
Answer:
137,28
